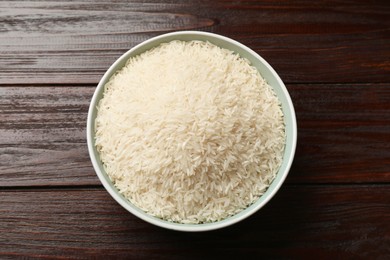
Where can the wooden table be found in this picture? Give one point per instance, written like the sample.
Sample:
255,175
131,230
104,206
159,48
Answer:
334,57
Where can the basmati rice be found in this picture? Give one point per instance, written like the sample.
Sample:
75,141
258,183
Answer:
190,132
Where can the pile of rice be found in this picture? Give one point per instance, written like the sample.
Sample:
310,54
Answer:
190,132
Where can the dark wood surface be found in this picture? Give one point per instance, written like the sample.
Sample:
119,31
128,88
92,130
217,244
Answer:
334,57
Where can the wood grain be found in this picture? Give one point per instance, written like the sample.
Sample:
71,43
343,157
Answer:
343,134
42,136
333,221
75,42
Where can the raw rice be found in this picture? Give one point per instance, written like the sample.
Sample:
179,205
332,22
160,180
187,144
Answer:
190,132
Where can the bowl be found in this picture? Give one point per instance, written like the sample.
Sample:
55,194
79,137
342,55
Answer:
265,70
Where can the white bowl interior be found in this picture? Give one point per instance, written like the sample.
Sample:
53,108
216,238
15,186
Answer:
265,70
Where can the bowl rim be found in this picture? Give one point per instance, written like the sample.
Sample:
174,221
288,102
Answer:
164,223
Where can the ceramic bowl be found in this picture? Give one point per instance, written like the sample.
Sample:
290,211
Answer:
265,70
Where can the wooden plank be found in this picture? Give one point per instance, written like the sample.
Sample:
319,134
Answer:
42,136
343,135
75,42
349,222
